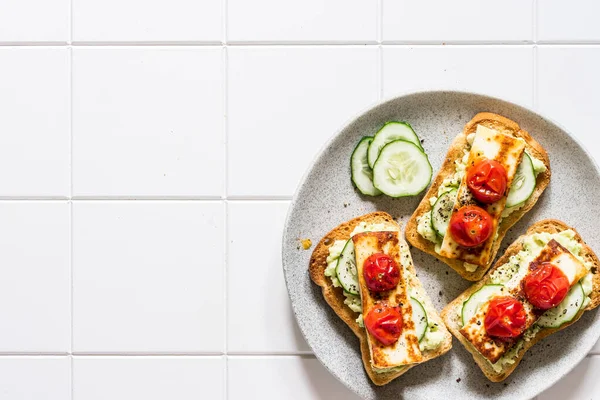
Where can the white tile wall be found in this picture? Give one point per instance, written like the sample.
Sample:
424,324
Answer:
460,21
35,277
271,94
148,378
32,378
148,277
147,122
282,378
461,68
143,142
350,21
147,21
568,21
270,327
35,122
34,21
568,87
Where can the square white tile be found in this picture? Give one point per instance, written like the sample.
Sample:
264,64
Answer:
282,378
148,378
271,326
35,282
34,21
148,277
148,122
568,21
32,378
581,383
567,90
147,21
302,21
509,76
35,122
470,21
284,104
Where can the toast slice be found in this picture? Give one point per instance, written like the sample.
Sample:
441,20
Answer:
506,126
451,316
335,297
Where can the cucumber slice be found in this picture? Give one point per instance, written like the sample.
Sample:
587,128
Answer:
419,317
565,311
402,169
362,174
478,298
391,131
346,270
523,184
441,211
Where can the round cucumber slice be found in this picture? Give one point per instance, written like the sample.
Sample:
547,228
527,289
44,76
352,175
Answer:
362,174
419,317
391,131
523,183
346,270
441,211
565,311
478,298
402,169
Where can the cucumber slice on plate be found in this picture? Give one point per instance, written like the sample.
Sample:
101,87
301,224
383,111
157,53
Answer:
565,311
419,317
402,169
362,174
346,270
441,210
391,131
523,183
478,298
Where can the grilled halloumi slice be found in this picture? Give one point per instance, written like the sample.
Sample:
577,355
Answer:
406,349
508,151
494,349
558,255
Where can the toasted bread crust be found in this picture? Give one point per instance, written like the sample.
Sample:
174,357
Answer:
335,297
451,318
455,152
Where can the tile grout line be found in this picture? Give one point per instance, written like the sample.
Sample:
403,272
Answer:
70,202
225,78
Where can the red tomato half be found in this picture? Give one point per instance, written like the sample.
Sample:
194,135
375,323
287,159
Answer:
505,318
546,286
487,181
384,323
381,272
470,226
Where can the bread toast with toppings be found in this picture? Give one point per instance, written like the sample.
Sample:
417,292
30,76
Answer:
335,297
452,319
497,123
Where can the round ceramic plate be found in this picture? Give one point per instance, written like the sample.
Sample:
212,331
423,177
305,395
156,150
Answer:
326,198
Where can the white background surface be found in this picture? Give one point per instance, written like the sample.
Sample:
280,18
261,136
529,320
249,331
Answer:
149,150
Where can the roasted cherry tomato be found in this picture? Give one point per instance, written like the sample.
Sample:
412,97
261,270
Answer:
487,180
546,286
470,226
505,317
381,272
384,323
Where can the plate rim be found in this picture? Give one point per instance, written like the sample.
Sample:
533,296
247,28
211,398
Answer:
348,122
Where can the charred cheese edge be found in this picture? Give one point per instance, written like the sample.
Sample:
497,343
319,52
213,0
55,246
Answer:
474,330
508,151
406,349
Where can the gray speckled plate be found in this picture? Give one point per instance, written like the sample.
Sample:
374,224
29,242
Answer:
326,198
